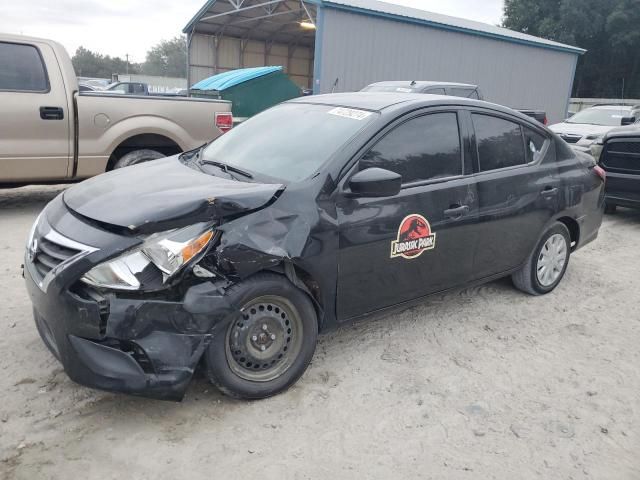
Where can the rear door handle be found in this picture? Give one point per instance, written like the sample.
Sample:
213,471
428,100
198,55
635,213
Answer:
51,113
456,211
549,191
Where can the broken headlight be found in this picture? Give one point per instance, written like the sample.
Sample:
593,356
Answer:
160,257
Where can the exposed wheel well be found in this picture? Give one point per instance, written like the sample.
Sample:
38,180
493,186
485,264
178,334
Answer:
574,230
304,281
150,141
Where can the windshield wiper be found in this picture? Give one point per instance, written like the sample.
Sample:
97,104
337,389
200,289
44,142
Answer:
195,153
226,168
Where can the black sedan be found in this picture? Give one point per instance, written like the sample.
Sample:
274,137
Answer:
311,214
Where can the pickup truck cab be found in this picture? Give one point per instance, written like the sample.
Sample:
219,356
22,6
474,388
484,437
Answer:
50,132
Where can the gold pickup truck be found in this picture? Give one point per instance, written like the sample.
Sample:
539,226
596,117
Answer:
49,132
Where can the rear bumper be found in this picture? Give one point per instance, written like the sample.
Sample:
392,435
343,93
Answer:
623,201
623,189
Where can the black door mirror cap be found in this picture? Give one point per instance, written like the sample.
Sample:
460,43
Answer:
627,121
375,182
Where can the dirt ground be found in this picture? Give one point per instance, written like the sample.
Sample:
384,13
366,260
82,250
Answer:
479,384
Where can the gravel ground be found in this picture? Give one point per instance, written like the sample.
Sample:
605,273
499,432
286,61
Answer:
478,384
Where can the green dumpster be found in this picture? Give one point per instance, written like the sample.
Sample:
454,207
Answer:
251,90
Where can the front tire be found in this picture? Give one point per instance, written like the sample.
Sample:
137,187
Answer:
547,264
268,347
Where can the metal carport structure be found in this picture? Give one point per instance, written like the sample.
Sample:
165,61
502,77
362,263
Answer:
343,45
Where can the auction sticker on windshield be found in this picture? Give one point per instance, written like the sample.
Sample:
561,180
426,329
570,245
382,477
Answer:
350,113
414,237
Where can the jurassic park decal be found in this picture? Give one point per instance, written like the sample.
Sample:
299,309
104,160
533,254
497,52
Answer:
414,237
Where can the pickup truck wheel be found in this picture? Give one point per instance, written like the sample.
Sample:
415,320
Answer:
609,208
137,156
267,348
547,264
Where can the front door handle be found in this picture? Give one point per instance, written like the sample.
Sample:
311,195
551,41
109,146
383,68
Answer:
51,113
549,191
456,211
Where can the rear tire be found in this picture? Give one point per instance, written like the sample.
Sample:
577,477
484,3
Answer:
136,157
610,209
269,346
547,264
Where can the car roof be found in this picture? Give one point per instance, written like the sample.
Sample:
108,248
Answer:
376,101
420,84
379,101
612,107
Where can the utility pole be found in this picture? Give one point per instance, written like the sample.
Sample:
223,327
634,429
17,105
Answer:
127,56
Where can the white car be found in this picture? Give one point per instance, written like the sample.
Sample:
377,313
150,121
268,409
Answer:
590,124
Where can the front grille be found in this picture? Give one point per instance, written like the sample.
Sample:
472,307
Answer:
622,156
49,255
625,147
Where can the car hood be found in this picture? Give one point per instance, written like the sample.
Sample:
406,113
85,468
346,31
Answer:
164,194
581,129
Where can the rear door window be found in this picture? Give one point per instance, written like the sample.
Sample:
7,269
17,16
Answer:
21,68
500,142
534,143
463,92
423,148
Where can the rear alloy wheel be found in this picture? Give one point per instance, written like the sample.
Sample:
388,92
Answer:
551,260
547,264
269,344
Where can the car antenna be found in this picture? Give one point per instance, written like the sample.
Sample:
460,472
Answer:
413,82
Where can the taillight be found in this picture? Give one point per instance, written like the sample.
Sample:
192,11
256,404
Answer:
224,121
546,121
600,172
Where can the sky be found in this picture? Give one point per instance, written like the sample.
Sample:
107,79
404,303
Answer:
120,27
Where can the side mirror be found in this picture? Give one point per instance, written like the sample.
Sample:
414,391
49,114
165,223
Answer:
628,121
375,182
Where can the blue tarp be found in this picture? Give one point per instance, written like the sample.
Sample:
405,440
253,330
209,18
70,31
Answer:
229,79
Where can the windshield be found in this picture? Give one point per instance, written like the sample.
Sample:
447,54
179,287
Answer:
288,142
601,116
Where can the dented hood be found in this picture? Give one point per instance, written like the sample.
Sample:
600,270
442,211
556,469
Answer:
165,194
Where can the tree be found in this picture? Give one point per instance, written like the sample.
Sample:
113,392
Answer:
608,29
168,58
91,64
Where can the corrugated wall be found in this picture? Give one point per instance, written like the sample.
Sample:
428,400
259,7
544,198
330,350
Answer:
297,62
358,50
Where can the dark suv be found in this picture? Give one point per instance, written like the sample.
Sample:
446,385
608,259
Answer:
314,213
619,155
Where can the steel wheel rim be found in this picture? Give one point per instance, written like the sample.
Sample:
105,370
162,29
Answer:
281,339
551,260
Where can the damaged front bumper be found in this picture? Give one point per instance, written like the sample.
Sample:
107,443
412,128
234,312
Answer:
138,343
142,347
